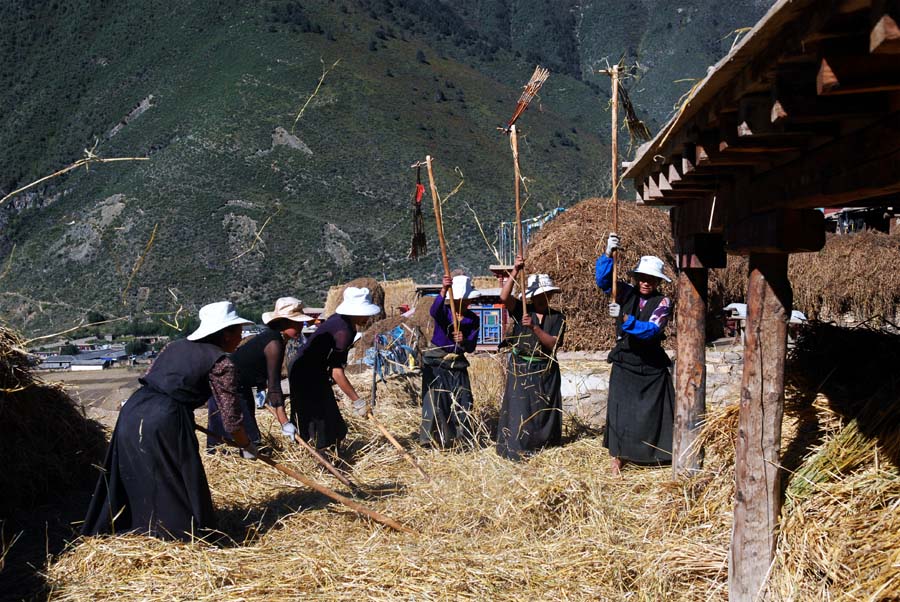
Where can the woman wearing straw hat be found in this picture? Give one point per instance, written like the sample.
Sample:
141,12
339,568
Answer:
639,413
531,414
320,362
446,390
258,362
153,479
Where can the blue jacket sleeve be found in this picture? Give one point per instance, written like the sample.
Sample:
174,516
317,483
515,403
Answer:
603,273
641,330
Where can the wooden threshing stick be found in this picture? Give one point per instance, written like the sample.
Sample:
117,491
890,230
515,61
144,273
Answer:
356,507
406,455
529,91
614,74
324,462
439,222
520,240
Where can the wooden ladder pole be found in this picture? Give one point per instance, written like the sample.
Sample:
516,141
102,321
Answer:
439,221
520,244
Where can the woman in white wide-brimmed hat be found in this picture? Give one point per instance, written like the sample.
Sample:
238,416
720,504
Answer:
446,389
531,413
259,361
320,362
153,479
640,410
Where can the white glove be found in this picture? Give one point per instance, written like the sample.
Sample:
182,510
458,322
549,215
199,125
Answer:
250,452
289,430
612,243
615,309
260,400
360,407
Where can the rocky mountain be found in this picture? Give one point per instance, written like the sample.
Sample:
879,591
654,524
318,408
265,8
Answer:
280,136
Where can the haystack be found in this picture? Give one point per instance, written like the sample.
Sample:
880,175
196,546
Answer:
336,294
567,248
47,444
853,274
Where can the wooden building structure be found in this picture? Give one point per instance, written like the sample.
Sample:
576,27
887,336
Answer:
803,113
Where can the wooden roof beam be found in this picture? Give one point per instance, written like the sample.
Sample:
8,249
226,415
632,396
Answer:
788,106
855,74
884,38
861,165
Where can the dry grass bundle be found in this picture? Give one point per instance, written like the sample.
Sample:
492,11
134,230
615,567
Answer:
336,295
854,273
558,526
568,247
47,444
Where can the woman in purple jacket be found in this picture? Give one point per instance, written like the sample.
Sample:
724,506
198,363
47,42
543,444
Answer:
446,390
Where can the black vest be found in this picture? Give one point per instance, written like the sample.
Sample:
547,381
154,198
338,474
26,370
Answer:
182,371
250,358
631,349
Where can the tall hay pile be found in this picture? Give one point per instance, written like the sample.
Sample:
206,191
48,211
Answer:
854,273
567,249
558,526
389,294
47,444
336,295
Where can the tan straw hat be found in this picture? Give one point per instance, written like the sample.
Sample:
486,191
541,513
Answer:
288,308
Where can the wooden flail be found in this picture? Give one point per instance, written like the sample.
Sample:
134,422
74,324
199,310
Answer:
529,91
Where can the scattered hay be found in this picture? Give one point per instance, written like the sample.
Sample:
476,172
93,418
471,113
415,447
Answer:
567,249
558,526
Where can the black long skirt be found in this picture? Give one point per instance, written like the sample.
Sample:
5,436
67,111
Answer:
446,403
314,408
640,413
153,479
531,414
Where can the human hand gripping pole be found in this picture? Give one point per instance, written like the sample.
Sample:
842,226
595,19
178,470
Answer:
356,507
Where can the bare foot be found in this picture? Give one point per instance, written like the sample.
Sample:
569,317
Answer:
615,466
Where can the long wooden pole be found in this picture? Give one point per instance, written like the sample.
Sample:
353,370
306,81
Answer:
324,462
439,221
520,244
614,74
356,507
406,455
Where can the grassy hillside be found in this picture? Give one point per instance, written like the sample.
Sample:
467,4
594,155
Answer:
202,88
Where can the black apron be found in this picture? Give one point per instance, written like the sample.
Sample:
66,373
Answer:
153,479
640,410
446,399
531,413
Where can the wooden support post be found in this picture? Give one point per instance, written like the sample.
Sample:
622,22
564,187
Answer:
757,500
690,370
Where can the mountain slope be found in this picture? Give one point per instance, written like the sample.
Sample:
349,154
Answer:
210,90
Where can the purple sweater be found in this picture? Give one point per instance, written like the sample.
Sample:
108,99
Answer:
443,328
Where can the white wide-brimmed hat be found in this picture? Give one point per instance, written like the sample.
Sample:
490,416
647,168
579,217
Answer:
288,308
357,302
215,317
651,266
539,283
463,289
